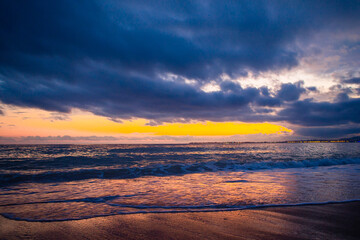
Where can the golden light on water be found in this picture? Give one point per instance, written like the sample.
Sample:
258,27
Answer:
159,193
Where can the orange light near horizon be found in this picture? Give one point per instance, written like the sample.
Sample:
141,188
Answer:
105,126
38,122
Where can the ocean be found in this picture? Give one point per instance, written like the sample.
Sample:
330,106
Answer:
67,182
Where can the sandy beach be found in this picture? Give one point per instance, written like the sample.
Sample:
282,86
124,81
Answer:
330,221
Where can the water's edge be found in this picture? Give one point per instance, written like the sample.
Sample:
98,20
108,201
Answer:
187,211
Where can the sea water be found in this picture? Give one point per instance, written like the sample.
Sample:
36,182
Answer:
66,182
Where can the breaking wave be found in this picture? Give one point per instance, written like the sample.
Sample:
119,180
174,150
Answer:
166,170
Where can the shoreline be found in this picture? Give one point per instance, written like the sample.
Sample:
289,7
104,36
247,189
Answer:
320,221
189,211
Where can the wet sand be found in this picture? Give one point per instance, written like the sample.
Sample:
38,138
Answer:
331,221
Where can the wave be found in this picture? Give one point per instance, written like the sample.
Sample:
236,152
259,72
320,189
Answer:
166,170
181,148
175,209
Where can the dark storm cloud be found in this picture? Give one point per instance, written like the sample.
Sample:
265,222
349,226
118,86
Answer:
308,113
342,97
114,95
266,99
312,89
197,39
329,132
355,80
291,92
111,57
228,86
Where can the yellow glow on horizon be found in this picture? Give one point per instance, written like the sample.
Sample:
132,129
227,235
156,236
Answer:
37,122
174,129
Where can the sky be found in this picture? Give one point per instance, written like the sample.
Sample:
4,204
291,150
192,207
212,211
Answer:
178,71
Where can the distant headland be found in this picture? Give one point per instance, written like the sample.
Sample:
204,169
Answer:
352,139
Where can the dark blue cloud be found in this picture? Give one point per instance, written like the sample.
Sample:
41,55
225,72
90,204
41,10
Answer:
266,99
355,80
312,89
342,97
119,96
309,113
110,57
228,86
291,92
196,39
329,132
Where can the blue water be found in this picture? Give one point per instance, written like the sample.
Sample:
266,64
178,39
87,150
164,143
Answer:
63,182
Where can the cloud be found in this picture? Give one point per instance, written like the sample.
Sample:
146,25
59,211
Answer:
291,92
309,113
195,39
355,80
125,97
55,116
329,132
110,58
187,38
312,89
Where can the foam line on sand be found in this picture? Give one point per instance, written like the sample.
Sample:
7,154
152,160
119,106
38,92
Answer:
329,221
